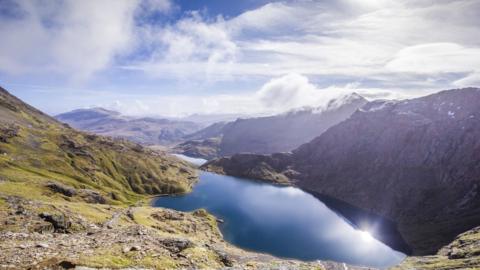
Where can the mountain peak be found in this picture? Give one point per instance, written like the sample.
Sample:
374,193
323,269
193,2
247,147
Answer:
348,99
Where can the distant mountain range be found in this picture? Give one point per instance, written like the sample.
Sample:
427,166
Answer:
144,130
209,119
264,135
415,162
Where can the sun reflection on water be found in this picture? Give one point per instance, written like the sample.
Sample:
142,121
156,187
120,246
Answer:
366,236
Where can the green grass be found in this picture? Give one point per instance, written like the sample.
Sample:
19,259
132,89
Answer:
112,258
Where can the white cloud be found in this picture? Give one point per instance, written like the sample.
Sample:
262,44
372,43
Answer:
72,38
190,46
436,58
288,92
471,80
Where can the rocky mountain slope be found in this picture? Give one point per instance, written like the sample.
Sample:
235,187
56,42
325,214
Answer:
70,199
279,133
145,130
462,253
415,162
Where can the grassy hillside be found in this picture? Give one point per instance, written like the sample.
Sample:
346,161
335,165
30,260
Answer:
35,149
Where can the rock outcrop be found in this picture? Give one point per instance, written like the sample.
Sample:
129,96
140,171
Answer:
462,253
206,149
415,162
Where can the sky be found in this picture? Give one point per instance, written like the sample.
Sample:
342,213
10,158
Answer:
179,57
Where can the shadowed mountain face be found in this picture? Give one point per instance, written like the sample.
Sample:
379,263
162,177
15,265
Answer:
264,135
144,130
416,162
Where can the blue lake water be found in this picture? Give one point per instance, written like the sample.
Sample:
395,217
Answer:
282,221
195,161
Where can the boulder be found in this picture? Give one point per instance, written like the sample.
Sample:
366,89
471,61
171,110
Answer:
176,245
91,196
60,222
43,227
226,259
168,215
63,189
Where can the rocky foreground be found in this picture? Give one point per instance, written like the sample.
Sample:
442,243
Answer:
71,235
462,253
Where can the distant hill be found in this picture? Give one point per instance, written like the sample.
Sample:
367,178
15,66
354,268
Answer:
144,130
264,135
416,162
209,119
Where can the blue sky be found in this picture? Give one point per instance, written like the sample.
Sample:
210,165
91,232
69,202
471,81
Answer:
177,57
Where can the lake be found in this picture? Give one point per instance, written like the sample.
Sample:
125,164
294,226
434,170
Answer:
282,221
195,161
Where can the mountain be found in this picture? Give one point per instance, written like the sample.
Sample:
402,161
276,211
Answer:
214,130
415,162
145,130
71,200
204,143
278,133
209,119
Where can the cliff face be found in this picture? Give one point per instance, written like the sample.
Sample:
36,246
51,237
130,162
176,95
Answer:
416,162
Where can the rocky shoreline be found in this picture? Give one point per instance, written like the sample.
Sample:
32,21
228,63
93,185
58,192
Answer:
65,235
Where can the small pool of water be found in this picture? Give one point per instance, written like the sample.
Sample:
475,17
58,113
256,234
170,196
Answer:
195,161
282,221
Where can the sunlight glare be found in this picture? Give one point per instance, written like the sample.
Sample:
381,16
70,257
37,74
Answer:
366,236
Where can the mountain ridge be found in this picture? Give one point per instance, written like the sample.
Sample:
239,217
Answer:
269,134
144,130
